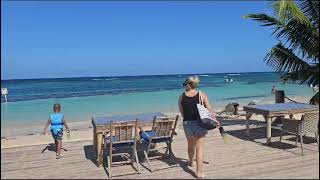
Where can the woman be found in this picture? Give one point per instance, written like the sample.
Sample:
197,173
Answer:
194,132
273,90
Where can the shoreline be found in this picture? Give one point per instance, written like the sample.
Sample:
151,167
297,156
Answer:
22,129
80,130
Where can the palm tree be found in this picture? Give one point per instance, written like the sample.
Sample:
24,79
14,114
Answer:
296,26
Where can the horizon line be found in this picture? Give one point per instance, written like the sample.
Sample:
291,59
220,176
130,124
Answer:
115,76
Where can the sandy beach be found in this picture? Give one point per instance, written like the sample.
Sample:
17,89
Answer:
79,130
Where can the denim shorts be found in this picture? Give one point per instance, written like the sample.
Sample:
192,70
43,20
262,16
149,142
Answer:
193,129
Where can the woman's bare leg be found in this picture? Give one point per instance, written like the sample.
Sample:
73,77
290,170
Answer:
191,149
200,155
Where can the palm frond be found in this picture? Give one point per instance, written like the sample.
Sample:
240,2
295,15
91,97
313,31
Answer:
296,26
300,37
311,10
288,9
264,19
315,99
310,75
282,59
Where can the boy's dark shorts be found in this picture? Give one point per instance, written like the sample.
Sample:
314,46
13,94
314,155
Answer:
58,136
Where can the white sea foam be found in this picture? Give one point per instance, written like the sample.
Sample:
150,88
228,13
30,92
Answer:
256,100
109,79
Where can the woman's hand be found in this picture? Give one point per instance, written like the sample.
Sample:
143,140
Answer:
214,117
218,123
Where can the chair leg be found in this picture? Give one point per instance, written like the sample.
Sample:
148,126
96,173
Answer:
281,135
167,149
170,149
317,138
137,160
147,158
301,143
132,156
110,162
149,147
296,140
109,165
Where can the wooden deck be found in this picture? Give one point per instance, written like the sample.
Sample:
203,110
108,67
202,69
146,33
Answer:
241,158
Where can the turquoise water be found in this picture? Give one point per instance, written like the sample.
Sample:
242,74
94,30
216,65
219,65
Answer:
82,108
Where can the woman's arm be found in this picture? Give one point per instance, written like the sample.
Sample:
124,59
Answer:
180,106
208,106
65,124
46,126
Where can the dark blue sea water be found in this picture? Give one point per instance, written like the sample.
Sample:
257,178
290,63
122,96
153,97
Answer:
30,101
33,89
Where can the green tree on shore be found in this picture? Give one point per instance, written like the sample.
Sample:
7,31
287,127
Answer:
296,26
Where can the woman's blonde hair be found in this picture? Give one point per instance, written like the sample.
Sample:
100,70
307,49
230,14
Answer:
193,81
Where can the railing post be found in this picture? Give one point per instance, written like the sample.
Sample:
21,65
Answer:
279,96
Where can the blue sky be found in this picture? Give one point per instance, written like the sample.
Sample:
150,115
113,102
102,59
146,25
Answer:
82,38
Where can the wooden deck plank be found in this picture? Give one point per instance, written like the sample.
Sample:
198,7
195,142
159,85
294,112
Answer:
240,158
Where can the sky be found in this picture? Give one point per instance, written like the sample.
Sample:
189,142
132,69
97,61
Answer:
105,38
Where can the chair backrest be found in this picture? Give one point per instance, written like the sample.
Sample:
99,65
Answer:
310,122
164,126
232,108
124,131
251,103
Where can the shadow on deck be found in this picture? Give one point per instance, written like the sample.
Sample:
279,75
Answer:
167,162
258,135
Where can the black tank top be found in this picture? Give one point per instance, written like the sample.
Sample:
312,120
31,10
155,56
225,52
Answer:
189,106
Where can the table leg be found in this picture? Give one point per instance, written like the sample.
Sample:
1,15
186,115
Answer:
94,140
268,120
248,116
99,149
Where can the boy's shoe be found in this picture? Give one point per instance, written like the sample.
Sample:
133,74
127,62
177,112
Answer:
189,163
58,156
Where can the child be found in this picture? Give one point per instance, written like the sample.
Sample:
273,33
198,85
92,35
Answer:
56,120
273,90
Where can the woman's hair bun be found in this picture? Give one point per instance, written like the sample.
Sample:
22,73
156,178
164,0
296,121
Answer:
193,81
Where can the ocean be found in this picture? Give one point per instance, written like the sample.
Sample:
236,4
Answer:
30,101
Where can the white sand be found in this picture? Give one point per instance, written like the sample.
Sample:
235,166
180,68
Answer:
79,131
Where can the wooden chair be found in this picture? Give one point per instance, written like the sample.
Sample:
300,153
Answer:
124,136
230,109
163,130
309,123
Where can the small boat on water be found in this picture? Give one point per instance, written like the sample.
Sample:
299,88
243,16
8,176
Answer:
4,92
228,79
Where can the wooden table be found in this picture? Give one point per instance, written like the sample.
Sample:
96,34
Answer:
101,126
268,111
